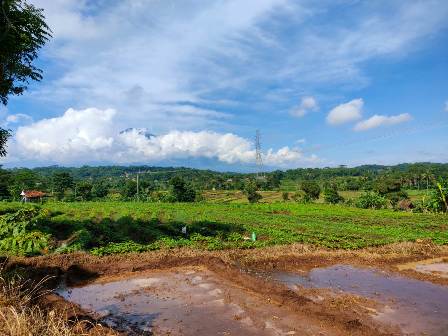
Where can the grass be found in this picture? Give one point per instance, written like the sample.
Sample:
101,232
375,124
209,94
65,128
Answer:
114,227
21,316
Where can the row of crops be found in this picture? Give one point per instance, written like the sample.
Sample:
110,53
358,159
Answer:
119,227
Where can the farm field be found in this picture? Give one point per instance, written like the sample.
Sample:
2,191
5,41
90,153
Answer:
115,227
237,196
137,253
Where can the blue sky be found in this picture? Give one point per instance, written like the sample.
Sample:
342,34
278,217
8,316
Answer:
327,83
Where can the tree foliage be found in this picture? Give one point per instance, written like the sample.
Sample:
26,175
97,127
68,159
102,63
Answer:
181,190
250,189
4,135
84,190
23,32
61,182
311,190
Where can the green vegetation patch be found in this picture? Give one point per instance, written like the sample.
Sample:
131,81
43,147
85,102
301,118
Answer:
122,227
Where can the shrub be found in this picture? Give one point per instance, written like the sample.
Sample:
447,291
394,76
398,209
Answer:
311,190
438,198
371,200
297,197
285,196
332,196
250,189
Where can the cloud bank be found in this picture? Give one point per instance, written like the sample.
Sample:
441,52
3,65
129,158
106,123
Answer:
92,135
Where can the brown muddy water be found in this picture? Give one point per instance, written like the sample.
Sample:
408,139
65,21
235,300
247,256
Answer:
187,301
416,307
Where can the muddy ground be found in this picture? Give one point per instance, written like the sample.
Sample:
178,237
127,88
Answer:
227,292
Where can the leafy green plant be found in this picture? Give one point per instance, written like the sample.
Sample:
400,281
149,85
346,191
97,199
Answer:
371,200
26,243
19,234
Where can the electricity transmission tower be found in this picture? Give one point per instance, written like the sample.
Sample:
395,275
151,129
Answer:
258,158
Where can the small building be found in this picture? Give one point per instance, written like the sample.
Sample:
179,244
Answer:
32,196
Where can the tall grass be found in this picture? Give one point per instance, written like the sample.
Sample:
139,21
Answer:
21,316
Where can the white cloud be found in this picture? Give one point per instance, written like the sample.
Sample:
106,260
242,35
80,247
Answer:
346,112
148,58
307,104
446,106
380,120
18,118
75,134
90,135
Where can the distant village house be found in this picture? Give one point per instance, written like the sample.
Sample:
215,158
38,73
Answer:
32,196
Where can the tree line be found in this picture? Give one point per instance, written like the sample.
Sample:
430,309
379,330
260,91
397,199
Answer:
380,183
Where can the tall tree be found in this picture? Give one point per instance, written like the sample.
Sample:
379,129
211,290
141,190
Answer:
181,190
22,179
23,32
61,182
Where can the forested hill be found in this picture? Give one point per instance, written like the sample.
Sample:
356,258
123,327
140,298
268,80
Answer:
438,170
100,172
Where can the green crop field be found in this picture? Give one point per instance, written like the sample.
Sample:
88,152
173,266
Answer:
114,227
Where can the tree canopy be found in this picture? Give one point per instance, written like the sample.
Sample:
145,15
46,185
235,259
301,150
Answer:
23,32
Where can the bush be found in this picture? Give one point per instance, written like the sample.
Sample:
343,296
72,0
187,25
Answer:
297,197
285,196
250,189
371,200
311,190
332,196
437,200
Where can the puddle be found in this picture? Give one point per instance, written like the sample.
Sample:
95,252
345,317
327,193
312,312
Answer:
417,307
185,302
436,267
439,269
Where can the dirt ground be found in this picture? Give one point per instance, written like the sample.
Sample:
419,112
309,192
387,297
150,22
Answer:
260,306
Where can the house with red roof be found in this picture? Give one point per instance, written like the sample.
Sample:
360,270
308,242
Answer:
32,196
